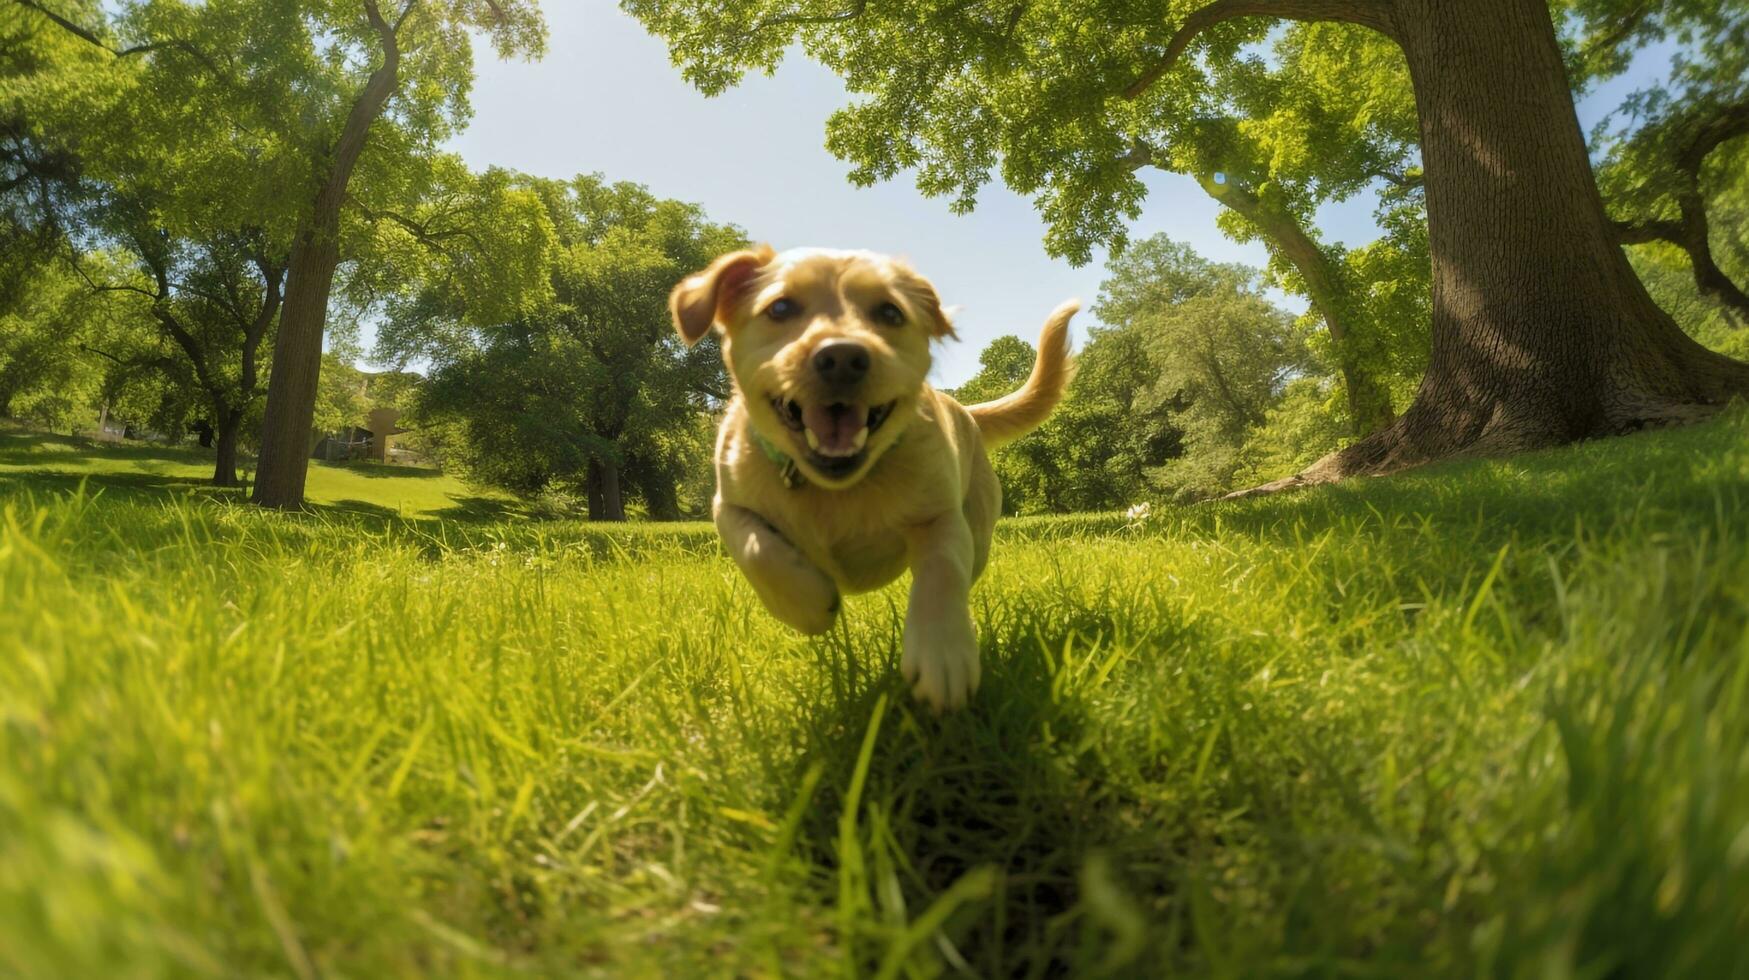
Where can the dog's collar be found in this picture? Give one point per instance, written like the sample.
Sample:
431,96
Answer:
787,470
786,467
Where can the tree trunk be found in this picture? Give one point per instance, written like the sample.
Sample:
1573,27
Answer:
297,351
297,363
612,506
225,461
592,487
1542,334
1369,404
661,496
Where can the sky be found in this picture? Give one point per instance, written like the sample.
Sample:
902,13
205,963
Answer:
606,100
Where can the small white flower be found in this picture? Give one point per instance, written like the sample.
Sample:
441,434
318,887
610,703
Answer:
1139,512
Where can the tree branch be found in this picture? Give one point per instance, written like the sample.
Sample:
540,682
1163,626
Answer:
786,20
412,5
89,36
1375,14
419,230
1619,32
1644,232
1727,122
1401,179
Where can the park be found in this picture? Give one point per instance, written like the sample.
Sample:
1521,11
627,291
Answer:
1374,601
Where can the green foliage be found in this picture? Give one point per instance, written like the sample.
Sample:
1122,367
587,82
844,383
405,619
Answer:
1309,421
341,399
1665,270
1192,362
1227,357
1092,453
958,94
583,380
45,376
1484,720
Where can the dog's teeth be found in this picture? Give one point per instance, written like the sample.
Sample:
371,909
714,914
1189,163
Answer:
861,438
813,440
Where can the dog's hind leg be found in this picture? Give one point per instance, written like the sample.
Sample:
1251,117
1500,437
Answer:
941,645
791,586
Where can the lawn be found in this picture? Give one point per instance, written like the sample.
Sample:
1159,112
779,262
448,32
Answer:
1490,718
45,461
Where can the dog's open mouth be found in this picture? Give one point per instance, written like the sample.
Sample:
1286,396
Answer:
835,435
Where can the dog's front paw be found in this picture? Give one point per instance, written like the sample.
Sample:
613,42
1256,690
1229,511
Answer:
806,600
941,660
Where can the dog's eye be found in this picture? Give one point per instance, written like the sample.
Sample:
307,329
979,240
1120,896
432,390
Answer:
889,314
782,308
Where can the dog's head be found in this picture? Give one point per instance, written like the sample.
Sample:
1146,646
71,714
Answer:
829,349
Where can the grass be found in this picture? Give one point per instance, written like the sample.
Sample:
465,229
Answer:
53,462
1485,719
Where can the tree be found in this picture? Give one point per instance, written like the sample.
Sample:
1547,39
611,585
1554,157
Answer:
1540,333
1168,394
168,196
583,389
39,65
213,301
332,90
1329,115
44,376
1688,147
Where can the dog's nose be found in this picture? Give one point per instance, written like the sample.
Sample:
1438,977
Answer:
841,363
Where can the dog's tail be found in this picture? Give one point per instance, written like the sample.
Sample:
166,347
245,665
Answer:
1008,418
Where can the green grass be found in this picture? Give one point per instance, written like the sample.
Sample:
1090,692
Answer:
1485,719
53,462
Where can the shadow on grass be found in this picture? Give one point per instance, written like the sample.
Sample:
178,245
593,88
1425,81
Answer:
130,486
1014,792
145,478
479,510
24,447
379,471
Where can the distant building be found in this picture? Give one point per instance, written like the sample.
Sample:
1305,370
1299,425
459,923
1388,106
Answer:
375,440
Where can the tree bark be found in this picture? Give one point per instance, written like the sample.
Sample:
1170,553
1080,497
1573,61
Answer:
592,489
612,505
225,456
297,352
1369,404
1542,334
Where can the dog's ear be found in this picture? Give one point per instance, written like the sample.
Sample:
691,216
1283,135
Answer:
699,299
935,316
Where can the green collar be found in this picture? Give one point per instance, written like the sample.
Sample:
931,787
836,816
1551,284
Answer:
786,467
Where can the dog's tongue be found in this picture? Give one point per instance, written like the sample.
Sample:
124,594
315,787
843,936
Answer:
834,427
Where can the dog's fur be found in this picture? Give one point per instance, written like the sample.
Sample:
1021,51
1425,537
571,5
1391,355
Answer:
921,493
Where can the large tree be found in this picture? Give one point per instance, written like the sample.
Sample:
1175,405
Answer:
1169,392
1540,331
335,91
210,305
170,202
1674,150
582,387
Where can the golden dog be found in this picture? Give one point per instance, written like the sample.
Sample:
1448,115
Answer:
838,466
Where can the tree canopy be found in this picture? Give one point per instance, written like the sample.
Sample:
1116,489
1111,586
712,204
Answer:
583,389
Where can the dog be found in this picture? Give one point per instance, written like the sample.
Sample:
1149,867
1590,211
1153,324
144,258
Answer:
837,465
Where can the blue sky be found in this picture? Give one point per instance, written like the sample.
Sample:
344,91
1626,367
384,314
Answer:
605,99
